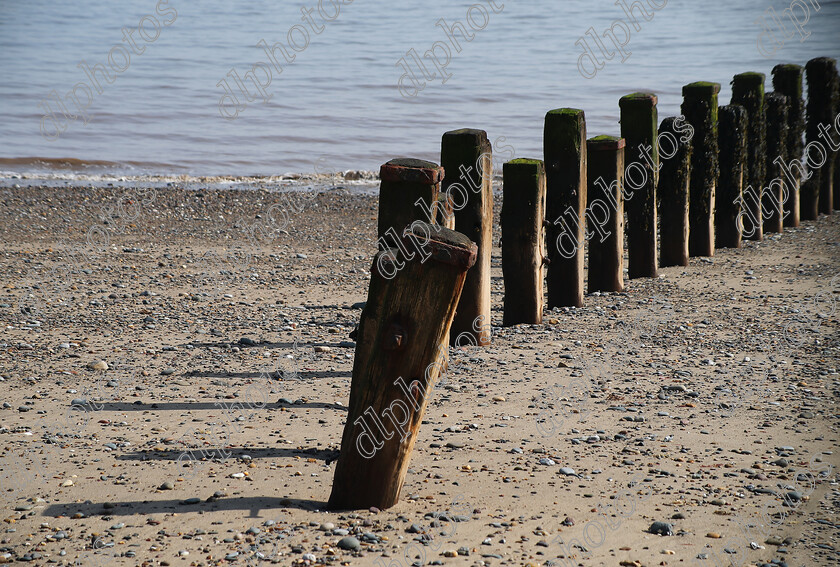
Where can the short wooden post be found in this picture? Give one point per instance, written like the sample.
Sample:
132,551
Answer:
729,209
639,119
605,212
787,80
700,108
776,106
748,91
564,152
466,154
672,192
817,192
408,192
399,355
523,240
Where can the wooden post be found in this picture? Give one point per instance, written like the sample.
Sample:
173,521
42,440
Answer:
408,191
639,119
700,107
776,106
729,209
787,80
564,152
672,192
467,156
523,240
817,192
605,212
748,91
399,355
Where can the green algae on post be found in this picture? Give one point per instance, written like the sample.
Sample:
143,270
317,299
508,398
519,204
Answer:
700,108
639,119
564,152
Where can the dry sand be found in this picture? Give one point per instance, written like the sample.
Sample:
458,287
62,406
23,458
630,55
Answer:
682,409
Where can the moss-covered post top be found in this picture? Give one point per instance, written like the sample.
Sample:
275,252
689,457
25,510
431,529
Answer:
572,112
525,162
471,132
701,89
747,82
646,100
411,170
604,143
787,68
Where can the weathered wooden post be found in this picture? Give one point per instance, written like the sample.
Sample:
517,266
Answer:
467,156
729,209
787,80
700,107
672,192
639,119
564,152
399,355
776,106
818,194
605,212
748,91
523,240
408,191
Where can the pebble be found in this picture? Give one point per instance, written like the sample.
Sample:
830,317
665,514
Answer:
568,471
661,528
98,365
167,486
350,543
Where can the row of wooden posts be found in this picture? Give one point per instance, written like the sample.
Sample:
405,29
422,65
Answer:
695,195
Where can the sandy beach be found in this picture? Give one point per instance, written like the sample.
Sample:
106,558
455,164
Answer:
176,365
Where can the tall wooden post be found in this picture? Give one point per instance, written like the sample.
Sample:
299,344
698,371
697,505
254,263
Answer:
639,119
818,192
523,240
700,107
408,192
564,151
748,91
729,209
605,212
672,192
467,156
787,80
398,359
774,194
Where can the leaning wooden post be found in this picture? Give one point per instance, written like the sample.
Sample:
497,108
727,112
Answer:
787,80
408,192
672,192
564,152
523,240
399,355
467,156
774,194
748,91
605,212
817,193
729,209
639,119
700,107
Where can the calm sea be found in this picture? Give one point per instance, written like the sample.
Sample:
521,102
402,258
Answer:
337,104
